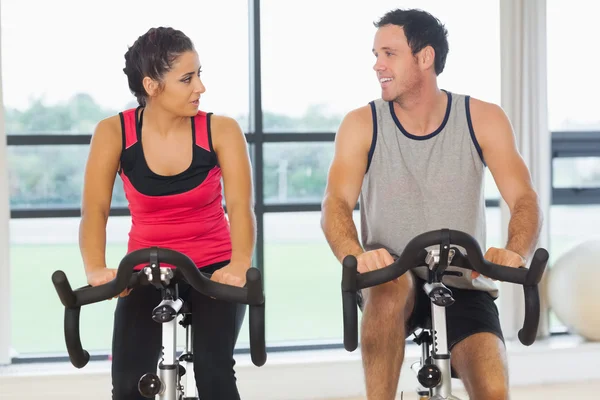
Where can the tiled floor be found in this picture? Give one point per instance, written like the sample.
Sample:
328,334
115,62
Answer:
590,390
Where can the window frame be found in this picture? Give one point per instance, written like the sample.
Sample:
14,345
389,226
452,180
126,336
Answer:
570,144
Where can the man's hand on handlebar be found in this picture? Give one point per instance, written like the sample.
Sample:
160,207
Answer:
503,257
373,260
101,276
231,274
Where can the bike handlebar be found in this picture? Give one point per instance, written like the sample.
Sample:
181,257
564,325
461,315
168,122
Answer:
125,278
413,256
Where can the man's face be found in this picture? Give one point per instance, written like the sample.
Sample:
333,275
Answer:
396,67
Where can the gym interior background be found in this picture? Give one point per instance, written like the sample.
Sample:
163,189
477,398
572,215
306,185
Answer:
287,71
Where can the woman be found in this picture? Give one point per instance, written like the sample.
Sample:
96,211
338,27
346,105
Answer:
171,158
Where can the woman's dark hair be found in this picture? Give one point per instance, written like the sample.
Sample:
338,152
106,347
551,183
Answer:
153,55
421,30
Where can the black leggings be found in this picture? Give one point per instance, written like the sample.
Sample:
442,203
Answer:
137,341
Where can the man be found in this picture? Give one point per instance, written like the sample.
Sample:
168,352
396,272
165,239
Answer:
416,157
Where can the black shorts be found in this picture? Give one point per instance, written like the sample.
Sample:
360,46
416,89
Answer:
473,311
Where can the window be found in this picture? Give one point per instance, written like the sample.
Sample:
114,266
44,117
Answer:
310,80
572,101
576,172
296,172
62,83
569,227
38,247
303,280
575,125
50,176
67,79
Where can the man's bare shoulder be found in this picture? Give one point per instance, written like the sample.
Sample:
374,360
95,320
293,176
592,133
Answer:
357,126
359,117
490,122
482,110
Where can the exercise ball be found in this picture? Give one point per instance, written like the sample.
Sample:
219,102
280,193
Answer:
573,289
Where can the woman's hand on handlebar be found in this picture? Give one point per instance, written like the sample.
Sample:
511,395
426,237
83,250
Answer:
504,257
100,276
231,274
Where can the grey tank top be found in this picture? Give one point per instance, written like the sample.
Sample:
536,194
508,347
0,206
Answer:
414,184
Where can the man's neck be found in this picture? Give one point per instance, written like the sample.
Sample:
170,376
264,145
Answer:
422,111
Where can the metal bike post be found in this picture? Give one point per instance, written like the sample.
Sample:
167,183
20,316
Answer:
168,365
441,297
166,314
440,355
191,391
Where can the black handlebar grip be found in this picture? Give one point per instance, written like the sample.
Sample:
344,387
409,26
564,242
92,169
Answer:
532,315
349,302
528,333
258,351
537,267
256,299
255,288
78,356
63,288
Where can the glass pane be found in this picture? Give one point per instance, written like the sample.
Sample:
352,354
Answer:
303,278
51,177
83,80
34,256
332,68
572,102
296,172
569,227
576,172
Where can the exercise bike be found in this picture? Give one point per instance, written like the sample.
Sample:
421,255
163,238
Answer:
434,373
168,384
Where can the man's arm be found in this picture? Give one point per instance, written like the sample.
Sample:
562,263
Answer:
344,182
496,138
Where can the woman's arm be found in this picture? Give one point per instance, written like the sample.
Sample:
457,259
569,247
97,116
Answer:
99,179
231,148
